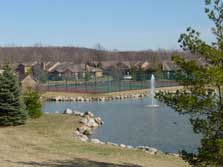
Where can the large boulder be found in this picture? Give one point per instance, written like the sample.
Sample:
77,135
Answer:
78,113
77,133
88,113
87,132
113,144
99,121
68,111
122,145
80,99
96,141
82,129
90,122
58,98
83,138
102,99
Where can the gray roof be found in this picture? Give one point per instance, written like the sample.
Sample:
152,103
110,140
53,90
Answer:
63,67
122,64
169,66
75,68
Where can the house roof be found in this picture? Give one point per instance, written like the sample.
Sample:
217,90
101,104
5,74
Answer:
121,64
51,66
169,66
63,67
93,69
28,79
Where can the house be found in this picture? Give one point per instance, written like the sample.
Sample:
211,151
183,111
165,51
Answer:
71,71
20,70
67,71
28,82
123,67
39,73
50,66
169,69
23,69
96,72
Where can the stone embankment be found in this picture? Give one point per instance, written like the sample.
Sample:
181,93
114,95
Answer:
99,99
89,123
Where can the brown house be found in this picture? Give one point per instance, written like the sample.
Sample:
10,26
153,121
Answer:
28,82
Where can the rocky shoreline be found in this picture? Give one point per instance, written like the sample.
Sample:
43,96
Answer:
97,99
89,123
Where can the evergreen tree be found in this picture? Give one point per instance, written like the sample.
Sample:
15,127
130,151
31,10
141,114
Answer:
12,109
33,103
202,96
87,76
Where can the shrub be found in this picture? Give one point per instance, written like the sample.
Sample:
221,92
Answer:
33,103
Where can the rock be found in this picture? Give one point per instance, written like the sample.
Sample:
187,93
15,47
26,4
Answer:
153,149
96,141
68,111
99,121
102,99
113,144
58,98
122,145
149,150
175,155
87,132
87,99
84,121
82,129
77,133
78,113
80,99
83,138
88,113
130,147
92,123
117,97
140,147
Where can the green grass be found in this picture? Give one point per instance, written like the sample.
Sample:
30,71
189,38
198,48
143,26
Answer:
49,141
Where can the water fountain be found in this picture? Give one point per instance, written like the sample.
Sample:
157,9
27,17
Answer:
152,92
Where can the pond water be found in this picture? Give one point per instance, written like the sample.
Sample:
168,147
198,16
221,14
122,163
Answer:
132,122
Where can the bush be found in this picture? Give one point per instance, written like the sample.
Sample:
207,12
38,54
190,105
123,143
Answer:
33,103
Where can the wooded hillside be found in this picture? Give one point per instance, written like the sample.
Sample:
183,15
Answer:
79,55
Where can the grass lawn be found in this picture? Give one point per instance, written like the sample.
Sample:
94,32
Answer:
49,142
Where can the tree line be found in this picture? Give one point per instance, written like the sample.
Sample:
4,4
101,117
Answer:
82,55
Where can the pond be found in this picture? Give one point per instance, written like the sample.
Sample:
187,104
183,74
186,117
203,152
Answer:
132,122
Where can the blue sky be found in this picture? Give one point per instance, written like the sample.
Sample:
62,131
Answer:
116,24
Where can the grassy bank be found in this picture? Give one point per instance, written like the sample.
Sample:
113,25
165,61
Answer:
49,142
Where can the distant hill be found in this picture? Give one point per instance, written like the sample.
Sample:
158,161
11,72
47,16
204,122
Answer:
80,55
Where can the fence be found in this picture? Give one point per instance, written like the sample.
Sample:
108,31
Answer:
102,86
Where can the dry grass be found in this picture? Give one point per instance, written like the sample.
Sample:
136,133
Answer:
49,142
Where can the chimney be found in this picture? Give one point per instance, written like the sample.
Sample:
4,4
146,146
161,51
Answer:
43,66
